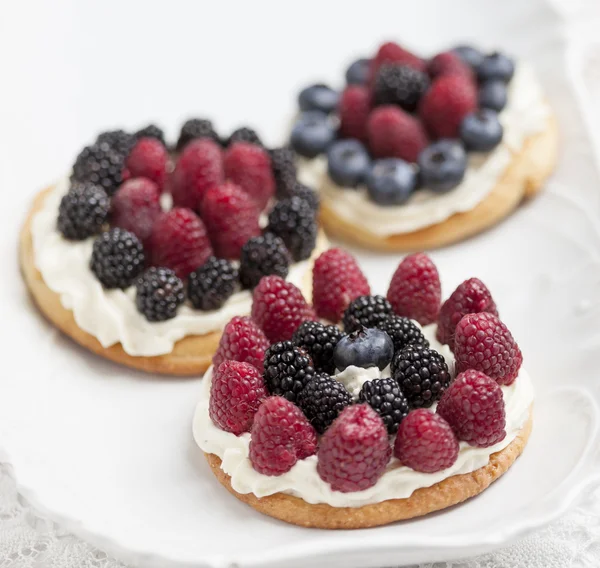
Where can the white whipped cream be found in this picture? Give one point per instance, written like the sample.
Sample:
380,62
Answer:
398,481
111,315
525,114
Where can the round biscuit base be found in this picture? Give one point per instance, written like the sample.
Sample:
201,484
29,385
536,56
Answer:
446,493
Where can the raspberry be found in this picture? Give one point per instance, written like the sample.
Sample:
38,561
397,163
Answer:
196,128
394,133
392,53
474,408
385,397
279,308
231,218
151,131
422,374
448,63
399,85
148,158
179,241
242,340
82,211
443,107
403,332
249,166
199,167
354,109
119,141
244,134
236,391
159,294
367,311
471,297
482,342
117,258
355,450
337,280
212,284
101,165
425,442
263,256
415,291
280,436
283,166
136,206
319,341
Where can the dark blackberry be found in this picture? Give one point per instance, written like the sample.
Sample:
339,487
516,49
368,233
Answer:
159,292
287,369
387,399
151,131
422,374
100,165
319,341
117,258
261,256
403,332
283,165
306,193
366,311
244,134
196,128
294,221
322,399
212,284
82,211
119,140
400,85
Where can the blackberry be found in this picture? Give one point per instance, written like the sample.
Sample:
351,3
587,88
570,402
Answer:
159,292
283,165
386,398
366,311
319,341
101,165
287,369
119,140
308,194
117,258
422,374
403,332
82,211
261,256
196,128
212,284
244,134
400,85
294,221
322,399
151,131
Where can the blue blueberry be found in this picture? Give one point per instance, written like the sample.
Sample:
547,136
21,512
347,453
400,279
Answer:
442,165
312,134
358,72
348,162
318,97
391,181
364,348
469,55
493,94
481,131
496,66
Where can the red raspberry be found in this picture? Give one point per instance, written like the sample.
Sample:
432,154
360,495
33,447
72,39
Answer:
281,435
391,52
148,158
279,308
443,107
337,280
242,340
354,109
425,442
136,206
355,450
179,241
231,218
393,133
415,291
236,391
448,63
249,166
471,297
482,342
199,167
474,407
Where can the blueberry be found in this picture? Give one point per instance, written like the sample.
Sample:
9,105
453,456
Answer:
469,55
493,94
443,165
348,162
481,131
312,134
364,348
358,72
318,97
496,66
391,181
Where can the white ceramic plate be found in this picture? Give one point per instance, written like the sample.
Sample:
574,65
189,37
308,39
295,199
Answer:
109,452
